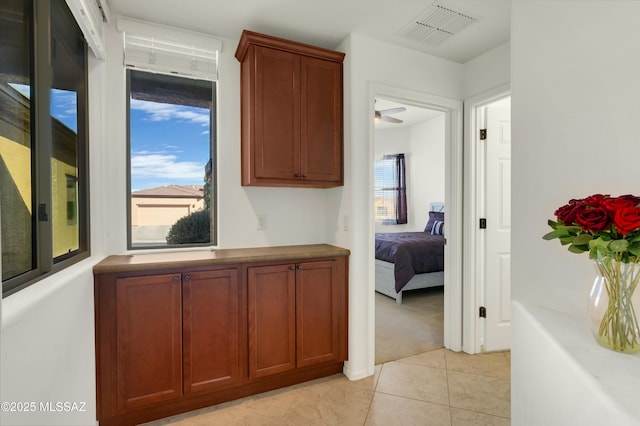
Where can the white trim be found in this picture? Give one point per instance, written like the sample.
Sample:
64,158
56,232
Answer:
453,200
473,271
89,18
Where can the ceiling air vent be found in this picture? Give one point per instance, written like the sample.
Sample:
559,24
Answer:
437,24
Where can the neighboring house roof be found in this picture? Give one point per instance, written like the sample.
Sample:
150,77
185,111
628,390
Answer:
172,191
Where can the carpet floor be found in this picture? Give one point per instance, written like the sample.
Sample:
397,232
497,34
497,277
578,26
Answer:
410,328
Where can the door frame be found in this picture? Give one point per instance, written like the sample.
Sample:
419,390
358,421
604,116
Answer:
453,109
473,252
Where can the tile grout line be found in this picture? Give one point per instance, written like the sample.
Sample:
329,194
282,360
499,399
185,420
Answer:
375,390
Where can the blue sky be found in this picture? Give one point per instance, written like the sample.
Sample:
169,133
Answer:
169,144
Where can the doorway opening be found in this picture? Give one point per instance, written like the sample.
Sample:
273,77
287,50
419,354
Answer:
409,321
453,166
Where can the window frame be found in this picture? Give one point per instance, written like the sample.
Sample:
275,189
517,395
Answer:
44,264
213,139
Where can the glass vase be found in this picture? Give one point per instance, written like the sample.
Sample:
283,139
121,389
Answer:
613,303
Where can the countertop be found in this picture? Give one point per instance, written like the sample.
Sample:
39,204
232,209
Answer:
195,258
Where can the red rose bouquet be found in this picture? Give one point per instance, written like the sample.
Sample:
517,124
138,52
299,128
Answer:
603,225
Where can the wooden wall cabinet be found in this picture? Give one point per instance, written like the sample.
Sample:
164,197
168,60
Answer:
170,340
291,113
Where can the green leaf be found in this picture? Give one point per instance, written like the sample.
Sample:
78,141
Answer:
582,239
558,233
599,243
634,249
566,240
577,249
619,246
552,224
634,239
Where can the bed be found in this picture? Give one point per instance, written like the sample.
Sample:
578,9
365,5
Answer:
411,260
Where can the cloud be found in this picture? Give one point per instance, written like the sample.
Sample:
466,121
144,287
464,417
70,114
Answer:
64,103
156,165
163,112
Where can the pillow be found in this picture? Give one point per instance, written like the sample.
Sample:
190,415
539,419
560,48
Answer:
438,228
433,217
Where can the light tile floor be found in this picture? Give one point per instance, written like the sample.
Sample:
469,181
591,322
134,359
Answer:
439,388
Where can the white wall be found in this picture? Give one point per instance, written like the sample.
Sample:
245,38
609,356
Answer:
423,146
575,129
427,168
487,71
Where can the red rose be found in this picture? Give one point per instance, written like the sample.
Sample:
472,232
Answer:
616,203
594,200
593,219
627,219
568,212
635,200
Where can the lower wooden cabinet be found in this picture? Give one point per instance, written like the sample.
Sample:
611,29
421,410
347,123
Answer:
170,341
211,330
296,312
149,340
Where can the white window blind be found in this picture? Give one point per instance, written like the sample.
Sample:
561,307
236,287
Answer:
385,189
169,50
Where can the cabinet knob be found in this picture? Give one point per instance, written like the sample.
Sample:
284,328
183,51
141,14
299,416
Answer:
300,267
304,175
176,278
187,277
297,175
292,268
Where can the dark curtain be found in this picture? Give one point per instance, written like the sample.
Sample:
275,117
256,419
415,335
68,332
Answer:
401,190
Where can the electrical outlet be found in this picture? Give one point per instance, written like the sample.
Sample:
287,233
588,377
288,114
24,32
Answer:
262,222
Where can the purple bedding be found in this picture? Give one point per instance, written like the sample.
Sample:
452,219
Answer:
411,253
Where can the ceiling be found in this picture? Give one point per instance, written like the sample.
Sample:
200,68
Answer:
326,23
411,116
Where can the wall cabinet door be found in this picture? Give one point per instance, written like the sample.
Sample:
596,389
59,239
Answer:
271,294
211,341
148,340
321,120
277,114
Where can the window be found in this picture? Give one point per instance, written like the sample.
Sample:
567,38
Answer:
43,143
390,190
170,160
171,103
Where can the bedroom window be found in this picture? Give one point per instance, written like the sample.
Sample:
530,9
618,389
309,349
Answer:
390,190
44,172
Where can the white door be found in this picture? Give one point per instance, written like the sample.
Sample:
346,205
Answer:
498,232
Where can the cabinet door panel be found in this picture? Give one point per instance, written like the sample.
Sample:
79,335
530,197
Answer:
271,293
211,307
149,340
317,313
277,114
321,120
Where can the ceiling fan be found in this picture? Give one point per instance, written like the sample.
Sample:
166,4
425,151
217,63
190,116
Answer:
385,114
